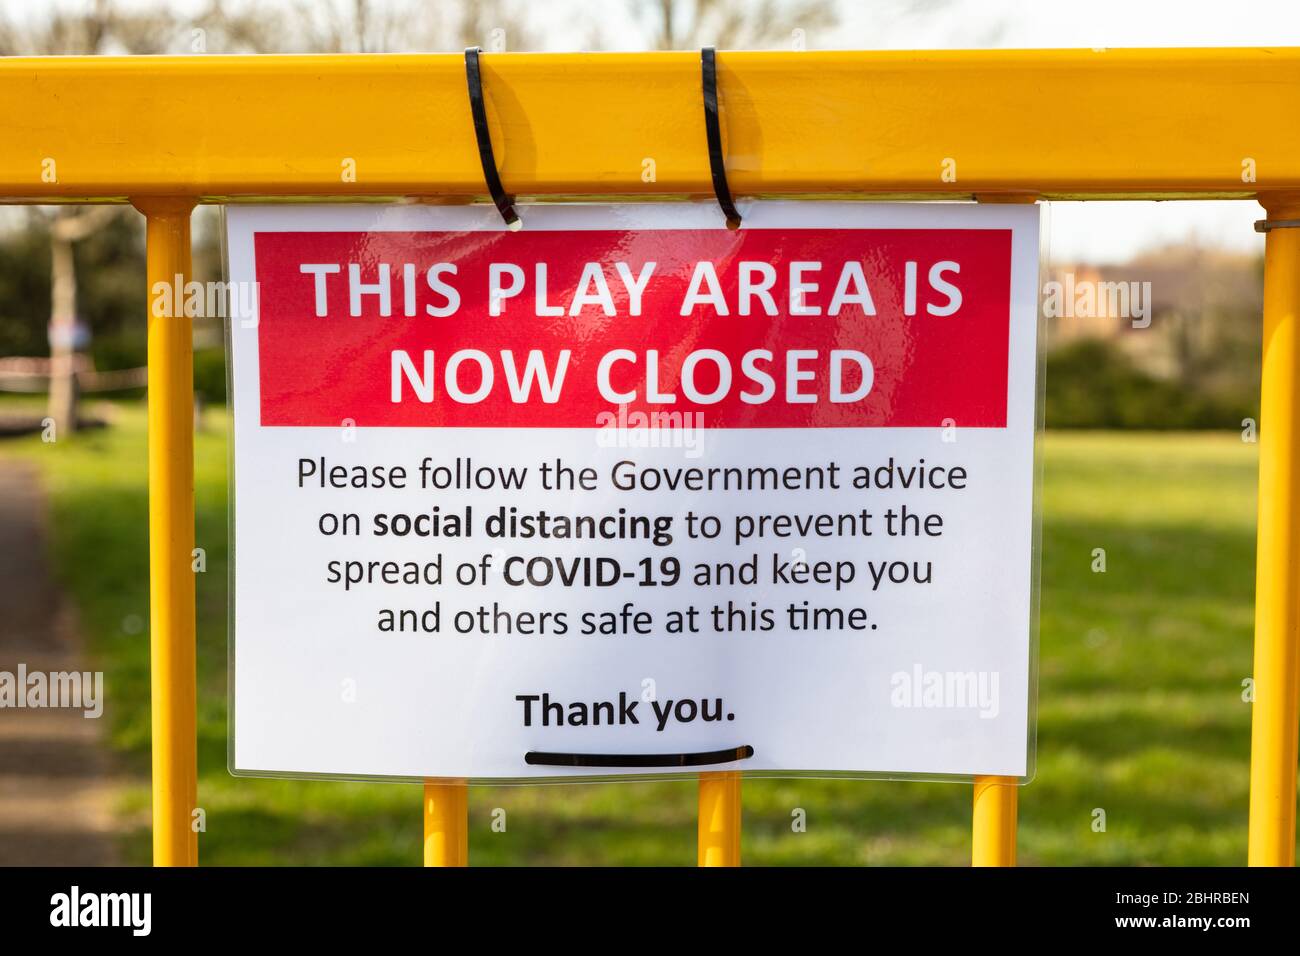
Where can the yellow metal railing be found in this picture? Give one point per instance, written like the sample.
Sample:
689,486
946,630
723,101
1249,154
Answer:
446,819
1277,577
1168,124
173,695
719,819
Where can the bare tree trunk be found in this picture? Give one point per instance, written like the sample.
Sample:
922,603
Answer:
63,334
66,227
668,40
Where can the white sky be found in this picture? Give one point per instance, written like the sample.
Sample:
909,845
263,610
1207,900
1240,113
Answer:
1094,231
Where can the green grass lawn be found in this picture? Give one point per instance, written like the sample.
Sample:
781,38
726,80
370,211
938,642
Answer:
1140,708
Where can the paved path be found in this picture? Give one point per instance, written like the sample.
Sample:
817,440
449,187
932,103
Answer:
55,784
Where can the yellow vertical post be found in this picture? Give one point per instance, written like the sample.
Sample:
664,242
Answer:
993,814
719,826
993,825
446,823
1273,737
171,536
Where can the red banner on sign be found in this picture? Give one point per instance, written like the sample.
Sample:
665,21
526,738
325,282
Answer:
760,328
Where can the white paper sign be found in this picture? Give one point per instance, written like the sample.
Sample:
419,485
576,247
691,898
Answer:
627,492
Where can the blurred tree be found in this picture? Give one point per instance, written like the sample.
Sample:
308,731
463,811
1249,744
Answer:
326,26
92,294
67,335
733,24
1093,383
24,288
1201,332
100,28
110,291
362,26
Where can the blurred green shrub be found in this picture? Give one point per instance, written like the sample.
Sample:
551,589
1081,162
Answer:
210,375
1092,384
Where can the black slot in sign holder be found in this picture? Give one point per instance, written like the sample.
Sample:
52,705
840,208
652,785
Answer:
541,758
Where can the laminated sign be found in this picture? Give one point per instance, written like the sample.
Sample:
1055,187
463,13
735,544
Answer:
628,491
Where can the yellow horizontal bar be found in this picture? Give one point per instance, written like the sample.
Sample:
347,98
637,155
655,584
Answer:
1059,123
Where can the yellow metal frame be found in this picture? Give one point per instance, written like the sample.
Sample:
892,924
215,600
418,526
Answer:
1168,124
1052,124
718,839
173,695
446,830
993,824
1273,738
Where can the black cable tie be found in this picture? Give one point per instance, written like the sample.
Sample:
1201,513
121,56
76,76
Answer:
717,162
504,201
